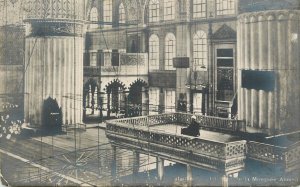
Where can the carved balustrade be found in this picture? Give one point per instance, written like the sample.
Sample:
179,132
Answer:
185,119
214,155
133,59
292,157
151,120
212,122
288,157
266,152
129,64
92,71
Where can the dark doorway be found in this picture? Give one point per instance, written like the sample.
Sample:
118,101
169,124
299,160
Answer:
115,99
135,98
52,116
91,104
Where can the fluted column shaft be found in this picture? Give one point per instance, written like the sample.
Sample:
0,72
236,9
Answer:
55,70
269,41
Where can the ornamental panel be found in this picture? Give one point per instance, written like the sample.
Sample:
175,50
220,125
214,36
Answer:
54,9
225,79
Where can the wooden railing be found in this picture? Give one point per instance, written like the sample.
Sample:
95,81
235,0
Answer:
289,157
185,119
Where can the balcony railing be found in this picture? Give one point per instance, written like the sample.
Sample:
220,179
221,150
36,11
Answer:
92,71
209,122
129,64
140,133
133,59
220,156
289,157
266,152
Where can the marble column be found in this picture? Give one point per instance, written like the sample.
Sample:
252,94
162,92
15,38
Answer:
51,73
54,54
272,58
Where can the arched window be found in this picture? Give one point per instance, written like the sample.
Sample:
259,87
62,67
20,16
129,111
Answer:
94,18
199,8
200,51
154,11
169,9
154,52
107,13
122,16
170,50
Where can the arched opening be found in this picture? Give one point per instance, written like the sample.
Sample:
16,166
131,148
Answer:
138,99
94,18
115,99
154,52
52,116
91,101
122,15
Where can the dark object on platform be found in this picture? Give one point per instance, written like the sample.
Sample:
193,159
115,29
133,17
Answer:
181,62
258,80
192,129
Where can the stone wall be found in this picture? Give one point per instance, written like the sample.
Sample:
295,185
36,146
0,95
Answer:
11,64
11,84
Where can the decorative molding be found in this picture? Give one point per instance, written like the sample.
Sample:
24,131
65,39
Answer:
54,9
127,59
225,79
40,28
225,32
275,14
114,83
139,82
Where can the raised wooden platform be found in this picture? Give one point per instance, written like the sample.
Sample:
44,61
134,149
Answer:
222,145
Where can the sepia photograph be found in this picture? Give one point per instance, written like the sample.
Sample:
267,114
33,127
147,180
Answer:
150,93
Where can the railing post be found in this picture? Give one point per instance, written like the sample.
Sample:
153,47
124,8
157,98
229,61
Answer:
160,168
189,175
108,105
136,163
224,180
114,162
